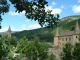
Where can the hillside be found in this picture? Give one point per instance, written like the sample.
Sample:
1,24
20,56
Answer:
45,34
5,32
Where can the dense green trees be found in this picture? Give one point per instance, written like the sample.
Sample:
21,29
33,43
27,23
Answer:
66,54
71,53
33,50
43,34
76,52
6,45
52,57
72,28
4,49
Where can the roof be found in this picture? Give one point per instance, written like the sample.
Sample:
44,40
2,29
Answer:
75,32
68,33
9,29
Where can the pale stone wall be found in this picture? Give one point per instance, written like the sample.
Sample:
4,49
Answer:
9,34
75,39
60,41
63,40
56,41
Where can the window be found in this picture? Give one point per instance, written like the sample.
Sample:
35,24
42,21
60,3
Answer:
76,36
62,39
69,39
66,39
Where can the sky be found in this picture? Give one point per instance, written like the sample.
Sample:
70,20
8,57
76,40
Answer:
18,21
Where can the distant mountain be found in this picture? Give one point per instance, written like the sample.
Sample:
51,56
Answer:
45,34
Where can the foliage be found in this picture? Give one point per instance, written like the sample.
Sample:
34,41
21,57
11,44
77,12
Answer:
34,50
67,52
12,41
76,52
72,28
79,38
52,57
4,8
45,34
34,10
7,45
71,53
4,49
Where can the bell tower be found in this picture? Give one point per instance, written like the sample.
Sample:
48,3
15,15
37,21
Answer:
77,27
9,31
57,32
56,38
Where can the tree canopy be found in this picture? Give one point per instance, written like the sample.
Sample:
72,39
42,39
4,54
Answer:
71,52
66,53
34,50
34,10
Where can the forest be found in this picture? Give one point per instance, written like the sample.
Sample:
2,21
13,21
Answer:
47,34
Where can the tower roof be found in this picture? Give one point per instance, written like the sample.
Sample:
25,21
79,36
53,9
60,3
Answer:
76,31
9,29
57,33
77,27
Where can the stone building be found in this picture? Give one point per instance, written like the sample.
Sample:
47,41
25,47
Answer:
9,31
61,38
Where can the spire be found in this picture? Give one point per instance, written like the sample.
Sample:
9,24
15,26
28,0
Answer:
9,31
57,33
77,27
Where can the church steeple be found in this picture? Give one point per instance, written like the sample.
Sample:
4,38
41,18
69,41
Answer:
9,31
77,27
57,32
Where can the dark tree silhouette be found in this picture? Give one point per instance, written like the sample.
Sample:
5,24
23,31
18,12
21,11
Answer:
34,10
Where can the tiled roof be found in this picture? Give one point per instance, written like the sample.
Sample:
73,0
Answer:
68,33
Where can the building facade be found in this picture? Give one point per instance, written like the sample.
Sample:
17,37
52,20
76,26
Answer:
61,39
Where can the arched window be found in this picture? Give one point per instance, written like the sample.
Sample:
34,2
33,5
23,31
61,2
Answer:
76,36
66,39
